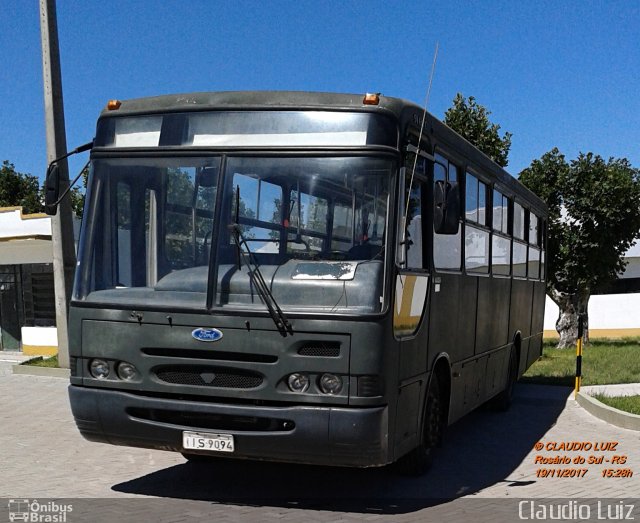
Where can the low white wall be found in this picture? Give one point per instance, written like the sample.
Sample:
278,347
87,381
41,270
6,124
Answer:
608,311
40,336
14,224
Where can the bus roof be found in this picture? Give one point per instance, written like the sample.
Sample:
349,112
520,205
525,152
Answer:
406,112
256,100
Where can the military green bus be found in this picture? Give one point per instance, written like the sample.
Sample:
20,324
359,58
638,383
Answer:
298,277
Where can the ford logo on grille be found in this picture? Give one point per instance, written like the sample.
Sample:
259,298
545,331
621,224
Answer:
206,334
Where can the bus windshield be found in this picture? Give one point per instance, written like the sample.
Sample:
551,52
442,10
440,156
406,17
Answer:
157,232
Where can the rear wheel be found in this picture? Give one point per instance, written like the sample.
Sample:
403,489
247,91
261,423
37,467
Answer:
503,401
419,460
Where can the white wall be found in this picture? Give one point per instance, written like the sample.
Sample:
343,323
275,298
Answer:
40,336
608,311
14,224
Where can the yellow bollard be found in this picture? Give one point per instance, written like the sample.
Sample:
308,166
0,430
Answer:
579,357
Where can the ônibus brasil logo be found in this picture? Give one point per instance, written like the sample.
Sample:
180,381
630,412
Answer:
40,512
202,334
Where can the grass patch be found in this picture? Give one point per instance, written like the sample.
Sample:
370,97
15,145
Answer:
604,362
43,362
627,403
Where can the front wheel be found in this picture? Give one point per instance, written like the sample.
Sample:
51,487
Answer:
419,460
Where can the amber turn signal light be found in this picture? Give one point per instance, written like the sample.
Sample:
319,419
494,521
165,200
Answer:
371,99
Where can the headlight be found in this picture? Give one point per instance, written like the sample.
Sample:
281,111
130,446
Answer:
99,369
126,371
298,382
330,383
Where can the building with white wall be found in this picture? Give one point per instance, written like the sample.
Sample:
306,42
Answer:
27,306
612,315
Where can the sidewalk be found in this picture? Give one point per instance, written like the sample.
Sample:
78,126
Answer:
622,389
13,356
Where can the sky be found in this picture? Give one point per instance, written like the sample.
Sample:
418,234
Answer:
560,74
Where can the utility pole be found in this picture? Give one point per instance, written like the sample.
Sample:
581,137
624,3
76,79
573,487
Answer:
64,256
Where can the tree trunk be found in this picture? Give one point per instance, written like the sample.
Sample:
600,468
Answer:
572,306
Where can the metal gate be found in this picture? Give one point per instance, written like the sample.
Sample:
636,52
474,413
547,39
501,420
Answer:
10,307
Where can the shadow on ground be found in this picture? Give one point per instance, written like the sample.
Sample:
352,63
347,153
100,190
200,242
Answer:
481,450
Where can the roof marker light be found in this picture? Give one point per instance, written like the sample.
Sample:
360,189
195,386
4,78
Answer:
112,105
371,99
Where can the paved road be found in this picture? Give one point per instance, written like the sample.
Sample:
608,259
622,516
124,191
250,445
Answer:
486,466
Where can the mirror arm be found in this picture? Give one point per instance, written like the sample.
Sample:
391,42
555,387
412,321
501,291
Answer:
77,150
66,191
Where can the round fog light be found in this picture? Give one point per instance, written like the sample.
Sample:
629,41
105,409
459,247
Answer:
330,383
126,371
99,369
298,382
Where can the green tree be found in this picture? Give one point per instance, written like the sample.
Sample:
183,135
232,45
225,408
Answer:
471,120
77,194
18,189
594,217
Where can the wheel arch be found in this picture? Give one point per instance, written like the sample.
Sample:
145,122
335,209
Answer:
442,369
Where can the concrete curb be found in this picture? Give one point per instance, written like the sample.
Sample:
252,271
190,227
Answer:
32,370
616,417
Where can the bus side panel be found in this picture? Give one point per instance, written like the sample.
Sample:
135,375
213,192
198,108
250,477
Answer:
493,313
520,317
537,322
453,317
453,322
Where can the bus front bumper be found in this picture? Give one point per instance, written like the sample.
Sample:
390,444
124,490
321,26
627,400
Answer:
322,435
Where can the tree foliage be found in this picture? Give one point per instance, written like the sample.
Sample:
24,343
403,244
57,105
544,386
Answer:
594,217
471,120
18,189
77,194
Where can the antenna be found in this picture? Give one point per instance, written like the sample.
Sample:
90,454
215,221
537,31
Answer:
415,161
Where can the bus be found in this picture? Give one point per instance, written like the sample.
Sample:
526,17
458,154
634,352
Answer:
299,277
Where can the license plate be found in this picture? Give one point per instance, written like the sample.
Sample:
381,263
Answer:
206,441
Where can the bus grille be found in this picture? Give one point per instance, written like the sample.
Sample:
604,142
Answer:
326,349
209,377
202,420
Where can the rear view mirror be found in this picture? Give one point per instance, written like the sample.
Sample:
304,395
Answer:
52,189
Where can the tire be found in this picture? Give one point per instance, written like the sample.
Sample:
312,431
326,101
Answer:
502,402
419,460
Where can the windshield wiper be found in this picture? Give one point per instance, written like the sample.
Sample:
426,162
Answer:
245,254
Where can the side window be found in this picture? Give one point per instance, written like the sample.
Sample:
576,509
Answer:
412,251
178,217
341,237
190,199
476,237
447,248
518,221
500,242
542,232
534,247
471,198
519,244
312,218
259,212
500,212
414,227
